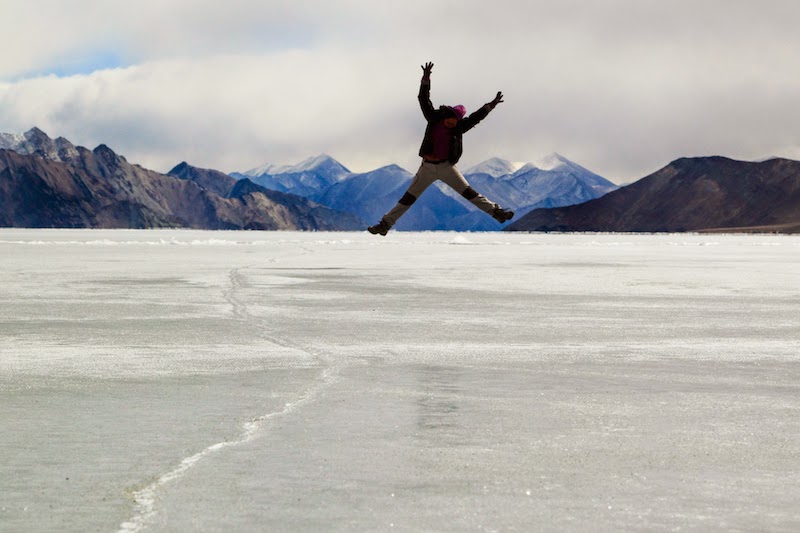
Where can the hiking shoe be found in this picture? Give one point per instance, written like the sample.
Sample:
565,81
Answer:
502,215
381,227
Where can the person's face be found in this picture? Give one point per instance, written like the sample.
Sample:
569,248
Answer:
450,122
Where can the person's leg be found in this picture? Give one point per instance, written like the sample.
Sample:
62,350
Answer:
452,177
426,175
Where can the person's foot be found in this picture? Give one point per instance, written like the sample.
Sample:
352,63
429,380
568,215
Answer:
381,227
502,215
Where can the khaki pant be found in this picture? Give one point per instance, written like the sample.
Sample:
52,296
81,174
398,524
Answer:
429,173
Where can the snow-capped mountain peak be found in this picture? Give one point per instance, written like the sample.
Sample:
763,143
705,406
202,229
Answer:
552,161
313,163
495,167
549,162
35,141
309,178
266,168
319,163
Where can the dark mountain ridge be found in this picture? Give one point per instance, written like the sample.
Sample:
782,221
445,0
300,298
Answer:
690,194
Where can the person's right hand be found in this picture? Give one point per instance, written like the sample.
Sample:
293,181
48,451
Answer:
426,70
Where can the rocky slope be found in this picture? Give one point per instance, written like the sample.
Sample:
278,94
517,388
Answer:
46,183
690,194
306,214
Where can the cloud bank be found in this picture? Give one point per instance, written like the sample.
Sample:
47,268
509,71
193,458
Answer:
620,86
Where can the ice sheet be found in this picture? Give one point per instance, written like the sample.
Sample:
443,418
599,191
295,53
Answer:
177,380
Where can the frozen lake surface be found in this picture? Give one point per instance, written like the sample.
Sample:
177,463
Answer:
241,381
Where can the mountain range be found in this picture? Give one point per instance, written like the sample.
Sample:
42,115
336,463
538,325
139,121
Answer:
48,182
555,181
690,194
52,183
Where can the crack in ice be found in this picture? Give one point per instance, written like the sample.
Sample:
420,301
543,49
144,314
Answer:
145,499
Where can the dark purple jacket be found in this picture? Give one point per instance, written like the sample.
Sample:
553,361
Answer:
434,116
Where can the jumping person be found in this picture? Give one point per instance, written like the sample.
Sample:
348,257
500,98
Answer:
441,149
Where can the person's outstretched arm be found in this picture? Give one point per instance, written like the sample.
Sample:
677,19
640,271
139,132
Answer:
471,121
425,92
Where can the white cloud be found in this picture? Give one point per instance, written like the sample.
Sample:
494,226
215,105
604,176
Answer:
620,86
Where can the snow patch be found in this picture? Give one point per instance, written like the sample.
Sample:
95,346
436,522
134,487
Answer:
551,162
307,165
495,167
460,239
11,141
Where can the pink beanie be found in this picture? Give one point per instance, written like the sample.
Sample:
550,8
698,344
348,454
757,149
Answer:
459,110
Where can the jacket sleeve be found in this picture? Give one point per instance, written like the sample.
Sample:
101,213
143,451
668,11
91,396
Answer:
472,120
425,99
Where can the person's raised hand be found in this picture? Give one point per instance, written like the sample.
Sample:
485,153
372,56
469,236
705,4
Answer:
426,70
497,100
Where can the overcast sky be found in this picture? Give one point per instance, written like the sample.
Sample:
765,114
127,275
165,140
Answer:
621,87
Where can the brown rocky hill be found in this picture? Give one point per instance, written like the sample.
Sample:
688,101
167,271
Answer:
74,187
690,194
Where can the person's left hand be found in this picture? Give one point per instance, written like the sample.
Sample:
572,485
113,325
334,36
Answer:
497,100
